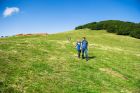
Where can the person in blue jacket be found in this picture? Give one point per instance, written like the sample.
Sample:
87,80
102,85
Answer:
85,48
78,47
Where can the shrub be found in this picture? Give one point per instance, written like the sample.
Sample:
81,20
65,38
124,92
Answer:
123,30
135,33
79,27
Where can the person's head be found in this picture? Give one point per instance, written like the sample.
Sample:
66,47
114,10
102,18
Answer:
78,40
84,38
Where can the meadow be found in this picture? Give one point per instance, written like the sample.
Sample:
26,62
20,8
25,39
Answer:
49,63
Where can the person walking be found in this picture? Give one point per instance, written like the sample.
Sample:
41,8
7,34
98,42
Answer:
78,47
85,48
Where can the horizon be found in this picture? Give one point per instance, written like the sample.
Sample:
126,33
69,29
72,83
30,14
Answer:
53,16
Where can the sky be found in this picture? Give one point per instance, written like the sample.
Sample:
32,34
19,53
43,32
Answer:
53,16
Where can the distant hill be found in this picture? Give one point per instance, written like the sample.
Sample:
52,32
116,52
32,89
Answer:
115,26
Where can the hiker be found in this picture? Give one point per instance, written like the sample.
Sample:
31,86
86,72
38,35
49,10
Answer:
78,47
85,48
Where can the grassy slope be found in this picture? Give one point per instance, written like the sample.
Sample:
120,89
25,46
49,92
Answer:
48,64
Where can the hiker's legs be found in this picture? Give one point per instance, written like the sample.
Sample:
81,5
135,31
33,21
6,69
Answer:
86,53
83,50
79,53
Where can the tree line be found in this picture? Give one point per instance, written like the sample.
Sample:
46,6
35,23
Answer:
115,26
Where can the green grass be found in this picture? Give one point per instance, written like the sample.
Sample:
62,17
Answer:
49,64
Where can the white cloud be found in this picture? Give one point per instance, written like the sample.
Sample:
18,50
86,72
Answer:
10,10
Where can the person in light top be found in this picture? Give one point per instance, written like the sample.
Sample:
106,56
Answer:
78,48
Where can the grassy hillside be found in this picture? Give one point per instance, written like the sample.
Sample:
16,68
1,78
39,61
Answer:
49,64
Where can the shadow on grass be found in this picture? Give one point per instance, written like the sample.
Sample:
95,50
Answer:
91,57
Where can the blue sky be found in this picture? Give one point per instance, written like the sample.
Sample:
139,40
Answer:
52,16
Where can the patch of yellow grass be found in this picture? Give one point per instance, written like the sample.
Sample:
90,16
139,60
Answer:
112,73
